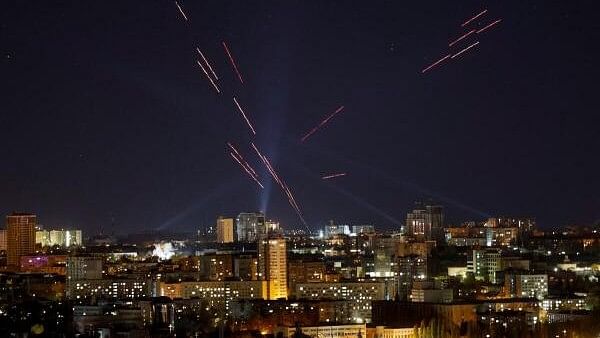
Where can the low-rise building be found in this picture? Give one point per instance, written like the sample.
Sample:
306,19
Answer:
329,331
390,332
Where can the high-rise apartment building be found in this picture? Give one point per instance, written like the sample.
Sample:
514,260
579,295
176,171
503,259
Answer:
3,240
250,226
20,237
225,230
272,266
426,221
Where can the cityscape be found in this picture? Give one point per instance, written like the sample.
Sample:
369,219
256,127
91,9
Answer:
246,276
299,169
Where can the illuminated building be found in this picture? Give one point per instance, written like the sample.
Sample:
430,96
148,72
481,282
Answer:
360,294
65,238
390,332
502,236
3,240
250,226
492,233
225,230
159,313
272,266
524,226
426,222
383,266
410,268
272,226
330,331
430,295
457,271
572,303
215,266
526,285
81,268
217,294
484,264
84,267
300,271
245,267
109,288
20,231
332,230
363,229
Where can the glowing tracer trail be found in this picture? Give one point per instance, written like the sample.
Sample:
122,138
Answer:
235,68
244,115
312,131
330,176
267,164
207,63
465,49
286,190
460,38
245,169
435,63
474,18
208,76
181,11
488,26
246,164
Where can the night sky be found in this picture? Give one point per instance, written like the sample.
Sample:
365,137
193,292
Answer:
107,122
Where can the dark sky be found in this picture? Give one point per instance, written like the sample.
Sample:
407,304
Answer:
107,123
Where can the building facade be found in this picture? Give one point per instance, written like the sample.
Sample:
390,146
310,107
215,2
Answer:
20,237
250,226
272,266
526,285
426,222
79,269
64,238
217,295
485,264
329,331
225,230
3,240
360,294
